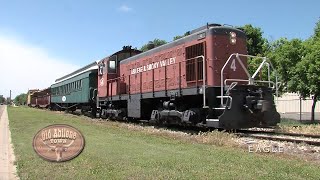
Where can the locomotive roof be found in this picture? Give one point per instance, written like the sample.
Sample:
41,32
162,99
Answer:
210,29
127,49
124,50
84,69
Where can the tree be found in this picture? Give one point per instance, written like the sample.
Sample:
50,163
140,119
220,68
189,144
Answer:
2,99
152,44
256,44
179,37
284,55
21,99
305,74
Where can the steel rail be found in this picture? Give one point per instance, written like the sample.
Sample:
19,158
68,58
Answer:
291,137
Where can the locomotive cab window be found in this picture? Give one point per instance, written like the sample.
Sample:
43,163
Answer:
101,68
112,64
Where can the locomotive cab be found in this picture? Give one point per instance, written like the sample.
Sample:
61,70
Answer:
110,68
111,82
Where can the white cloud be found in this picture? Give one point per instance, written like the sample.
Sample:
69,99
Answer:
24,66
124,8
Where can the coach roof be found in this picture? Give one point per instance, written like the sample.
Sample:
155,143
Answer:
84,69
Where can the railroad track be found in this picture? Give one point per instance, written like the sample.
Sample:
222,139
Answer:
272,131
278,136
267,134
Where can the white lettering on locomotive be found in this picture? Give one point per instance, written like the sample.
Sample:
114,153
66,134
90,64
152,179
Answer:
154,65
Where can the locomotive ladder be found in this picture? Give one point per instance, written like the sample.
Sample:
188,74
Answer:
250,80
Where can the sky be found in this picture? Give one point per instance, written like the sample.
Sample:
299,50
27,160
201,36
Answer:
41,41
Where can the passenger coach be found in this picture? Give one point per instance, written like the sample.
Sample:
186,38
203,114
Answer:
40,98
77,90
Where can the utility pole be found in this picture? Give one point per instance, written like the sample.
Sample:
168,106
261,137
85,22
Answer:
10,97
300,108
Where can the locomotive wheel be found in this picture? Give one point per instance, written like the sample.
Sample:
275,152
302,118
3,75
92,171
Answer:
94,112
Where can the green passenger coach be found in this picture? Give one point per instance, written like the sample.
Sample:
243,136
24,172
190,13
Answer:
77,90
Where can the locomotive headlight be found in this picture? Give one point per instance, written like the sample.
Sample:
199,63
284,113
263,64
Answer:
233,37
233,34
233,41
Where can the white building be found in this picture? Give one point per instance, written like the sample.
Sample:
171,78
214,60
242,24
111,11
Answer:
291,102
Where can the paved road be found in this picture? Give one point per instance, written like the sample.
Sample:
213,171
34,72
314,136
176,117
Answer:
7,169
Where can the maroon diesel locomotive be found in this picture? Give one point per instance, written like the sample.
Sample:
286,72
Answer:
199,80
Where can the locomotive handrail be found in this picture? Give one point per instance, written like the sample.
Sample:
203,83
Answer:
239,80
228,97
202,56
243,80
250,80
116,78
93,96
203,79
232,85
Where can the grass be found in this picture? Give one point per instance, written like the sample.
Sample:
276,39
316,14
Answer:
293,122
290,122
120,151
293,126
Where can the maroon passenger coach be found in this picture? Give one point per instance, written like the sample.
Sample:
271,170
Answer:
41,99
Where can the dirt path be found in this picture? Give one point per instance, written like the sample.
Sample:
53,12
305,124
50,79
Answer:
7,168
